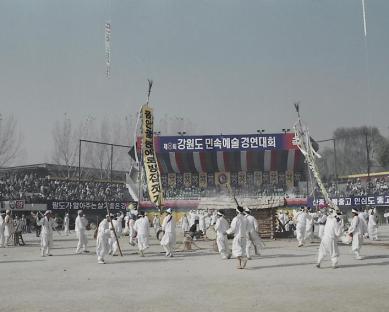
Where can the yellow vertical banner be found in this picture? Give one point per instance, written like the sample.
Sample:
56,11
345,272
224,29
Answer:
150,163
203,180
289,177
257,178
187,179
172,180
273,177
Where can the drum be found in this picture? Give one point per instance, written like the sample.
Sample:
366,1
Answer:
346,239
160,233
210,233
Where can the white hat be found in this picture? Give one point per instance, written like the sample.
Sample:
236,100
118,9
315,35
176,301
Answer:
354,211
220,213
247,210
47,212
169,210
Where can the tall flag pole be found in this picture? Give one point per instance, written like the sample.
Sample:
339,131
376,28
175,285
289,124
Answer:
304,144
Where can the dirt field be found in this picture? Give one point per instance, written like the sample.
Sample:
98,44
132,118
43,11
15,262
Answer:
284,278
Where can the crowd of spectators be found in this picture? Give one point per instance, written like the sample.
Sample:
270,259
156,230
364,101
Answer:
357,187
35,189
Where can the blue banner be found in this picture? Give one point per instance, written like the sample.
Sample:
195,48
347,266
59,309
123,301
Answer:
209,143
352,201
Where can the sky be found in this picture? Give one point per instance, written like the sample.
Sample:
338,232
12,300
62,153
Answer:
229,66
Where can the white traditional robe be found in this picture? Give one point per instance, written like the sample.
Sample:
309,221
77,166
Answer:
80,229
46,234
239,229
168,241
301,219
221,228
329,242
102,244
142,228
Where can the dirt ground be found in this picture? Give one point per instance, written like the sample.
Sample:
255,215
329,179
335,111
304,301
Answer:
283,278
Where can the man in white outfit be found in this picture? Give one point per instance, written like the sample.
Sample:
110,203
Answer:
131,233
168,241
2,226
329,243
253,239
80,229
221,228
372,226
309,225
66,223
185,223
8,227
321,221
142,228
103,235
239,229
300,220
47,223
356,230
119,224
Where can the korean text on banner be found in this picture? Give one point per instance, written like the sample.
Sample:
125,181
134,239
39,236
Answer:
153,176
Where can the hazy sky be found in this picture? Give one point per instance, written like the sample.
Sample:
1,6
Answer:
229,66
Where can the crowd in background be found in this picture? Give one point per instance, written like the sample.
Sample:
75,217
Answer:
35,189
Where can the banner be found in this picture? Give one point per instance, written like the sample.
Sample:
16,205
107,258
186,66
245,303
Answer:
273,177
222,178
150,163
352,201
85,205
289,179
257,178
215,143
171,178
241,178
187,179
203,180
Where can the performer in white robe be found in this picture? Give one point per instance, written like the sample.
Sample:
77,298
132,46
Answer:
221,228
168,241
66,223
300,220
329,243
142,228
47,223
185,223
356,230
321,220
80,228
131,233
253,239
309,225
8,227
103,235
372,226
2,226
156,223
239,229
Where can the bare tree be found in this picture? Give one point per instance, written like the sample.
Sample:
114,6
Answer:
10,140
65,145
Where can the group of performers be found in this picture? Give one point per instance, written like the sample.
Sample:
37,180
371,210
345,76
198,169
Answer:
244,228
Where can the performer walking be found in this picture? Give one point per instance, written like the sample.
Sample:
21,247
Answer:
142,228
2,226
221,228
372,225
168,241
356,230
47,223
329,243
300,220
131,233
103,235
185,223
80,229
8,227
253,239
66,223
239,229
